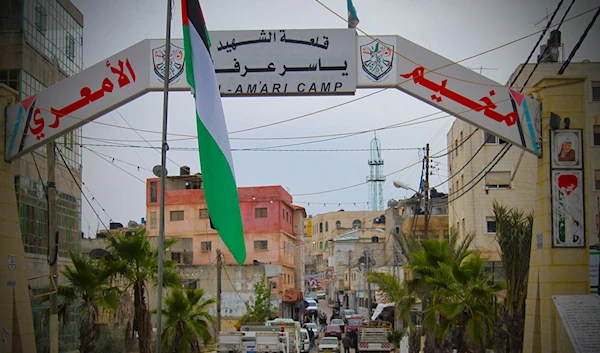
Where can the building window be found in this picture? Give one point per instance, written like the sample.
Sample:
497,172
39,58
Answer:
326,244
356,224
261,244
70,49
176,216
596,135
205,246
153,191
40,18
321,245
464,225
203,213
282,214
287,216
10,78
456,146
152,220
327,226
176,257
492,139
321,227
260,212
461,140
490,225
338,225
597,178
596,91
497,180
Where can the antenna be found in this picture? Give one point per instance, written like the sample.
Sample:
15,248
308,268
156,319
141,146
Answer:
376,177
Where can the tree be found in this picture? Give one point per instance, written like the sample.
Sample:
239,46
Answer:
463,295
514,235
87,284
259,309
138,269
404,301
423,259
395,337
186,320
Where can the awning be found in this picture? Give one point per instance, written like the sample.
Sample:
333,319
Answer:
379,309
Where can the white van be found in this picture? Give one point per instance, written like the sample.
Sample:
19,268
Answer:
305,339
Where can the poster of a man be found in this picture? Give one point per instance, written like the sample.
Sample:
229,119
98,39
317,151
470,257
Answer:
567,153
566,149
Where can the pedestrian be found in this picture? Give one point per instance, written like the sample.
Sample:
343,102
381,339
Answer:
346,342
323,324
311,336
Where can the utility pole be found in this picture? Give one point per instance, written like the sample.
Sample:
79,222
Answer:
426,191
163,181
219,264
53,252
369,300
349,276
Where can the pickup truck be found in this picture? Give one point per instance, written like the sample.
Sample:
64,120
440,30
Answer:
374,339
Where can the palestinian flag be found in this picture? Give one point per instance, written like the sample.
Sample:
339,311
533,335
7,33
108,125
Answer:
352,16
216,163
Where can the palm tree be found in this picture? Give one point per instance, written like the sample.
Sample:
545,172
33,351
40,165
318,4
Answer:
463,292
186,320
404,302
139,268
87,284
514,234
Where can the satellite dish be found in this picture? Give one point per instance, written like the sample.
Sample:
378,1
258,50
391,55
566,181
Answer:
132,224
157,170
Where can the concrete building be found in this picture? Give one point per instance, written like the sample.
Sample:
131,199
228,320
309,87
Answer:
273,227
41,44
555,270
323,227
511,183
524,182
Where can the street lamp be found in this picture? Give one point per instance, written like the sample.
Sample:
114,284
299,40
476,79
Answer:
401,185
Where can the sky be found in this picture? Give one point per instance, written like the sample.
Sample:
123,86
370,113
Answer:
455,29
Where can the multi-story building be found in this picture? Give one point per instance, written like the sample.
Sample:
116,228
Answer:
273,226
324,227
41,42
512,182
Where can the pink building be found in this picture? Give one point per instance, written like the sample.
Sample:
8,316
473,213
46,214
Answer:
273,227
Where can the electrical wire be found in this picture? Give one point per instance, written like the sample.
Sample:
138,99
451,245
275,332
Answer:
547,47
494,160
581,39
79,187
535,46
463,167
483,176
457,146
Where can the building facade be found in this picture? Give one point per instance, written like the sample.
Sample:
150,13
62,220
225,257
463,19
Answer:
510,183
41,44
273,226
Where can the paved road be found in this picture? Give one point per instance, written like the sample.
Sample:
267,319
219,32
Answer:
324,307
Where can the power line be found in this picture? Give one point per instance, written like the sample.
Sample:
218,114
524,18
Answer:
457,146
483,176
548,47
463,167
79,186
581,39
538,42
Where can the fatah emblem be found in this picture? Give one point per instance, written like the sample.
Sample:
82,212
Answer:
377,59
176,62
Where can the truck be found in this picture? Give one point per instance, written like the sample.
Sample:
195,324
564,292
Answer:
230,342
288,340
373,339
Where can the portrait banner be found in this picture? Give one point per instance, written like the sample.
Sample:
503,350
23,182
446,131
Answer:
568,217
565,150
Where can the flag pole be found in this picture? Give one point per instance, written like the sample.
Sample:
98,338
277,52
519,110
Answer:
163,178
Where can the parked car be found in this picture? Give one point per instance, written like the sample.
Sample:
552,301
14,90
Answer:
340,323
329,345
333,331
346,313
321,294
354,323
305,340
310,302
313,327
313,296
